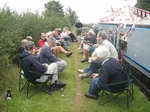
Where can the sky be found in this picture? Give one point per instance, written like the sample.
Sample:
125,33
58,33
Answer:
88,11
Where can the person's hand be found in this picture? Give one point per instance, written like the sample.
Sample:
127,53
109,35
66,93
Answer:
45,64
95,75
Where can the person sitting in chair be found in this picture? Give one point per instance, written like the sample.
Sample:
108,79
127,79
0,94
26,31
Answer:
47,56
21,49
111,72
36,66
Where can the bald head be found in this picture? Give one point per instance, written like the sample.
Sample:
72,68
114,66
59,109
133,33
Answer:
23,42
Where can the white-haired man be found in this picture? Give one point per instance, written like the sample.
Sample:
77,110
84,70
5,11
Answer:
111,72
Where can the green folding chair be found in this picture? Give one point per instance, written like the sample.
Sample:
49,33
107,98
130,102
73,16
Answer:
127,90
25,79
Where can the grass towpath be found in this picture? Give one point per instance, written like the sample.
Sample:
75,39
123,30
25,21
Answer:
78,98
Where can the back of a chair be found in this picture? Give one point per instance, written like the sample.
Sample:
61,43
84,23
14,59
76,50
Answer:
127,68
25,64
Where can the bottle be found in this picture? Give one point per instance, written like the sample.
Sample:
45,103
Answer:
8,95
62,91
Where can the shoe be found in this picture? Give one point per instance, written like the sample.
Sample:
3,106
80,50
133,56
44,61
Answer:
81,76
84,60
53,87
69,54
80,70
59,84
91,96
80,52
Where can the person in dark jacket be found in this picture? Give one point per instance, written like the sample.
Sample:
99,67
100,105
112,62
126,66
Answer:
78,26
47,56
36,66
111,72
21,49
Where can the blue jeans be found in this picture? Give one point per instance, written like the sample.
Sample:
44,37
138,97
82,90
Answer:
68,38
87,70
65,46
94,89
91,48
93,68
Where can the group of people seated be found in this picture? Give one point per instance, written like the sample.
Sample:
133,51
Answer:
104,66
46,59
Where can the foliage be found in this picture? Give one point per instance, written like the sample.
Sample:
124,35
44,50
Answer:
143,4
14,27
9,34
53,8
72,16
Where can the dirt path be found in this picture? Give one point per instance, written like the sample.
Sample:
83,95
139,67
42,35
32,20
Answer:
78,96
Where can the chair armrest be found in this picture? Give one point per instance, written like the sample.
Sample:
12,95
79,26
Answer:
112,84
40,74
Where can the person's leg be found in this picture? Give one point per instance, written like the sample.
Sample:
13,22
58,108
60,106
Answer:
91,50
69,38
62,50
56,51
72,39
80,31
95,66
53,69
77,32
86,70
65,45
94,89
61,65
55,83
72,36
85,54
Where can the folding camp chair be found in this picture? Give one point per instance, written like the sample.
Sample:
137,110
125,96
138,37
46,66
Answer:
27,74
22,80
128,90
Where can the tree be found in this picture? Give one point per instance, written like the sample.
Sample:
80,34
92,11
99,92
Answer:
143,4
53,8
71,15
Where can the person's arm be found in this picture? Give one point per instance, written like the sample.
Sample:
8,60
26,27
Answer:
103,76
49,55
37,65
94,75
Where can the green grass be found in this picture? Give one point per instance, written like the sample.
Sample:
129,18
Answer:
73,101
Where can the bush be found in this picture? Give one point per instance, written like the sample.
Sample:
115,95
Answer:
14,27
